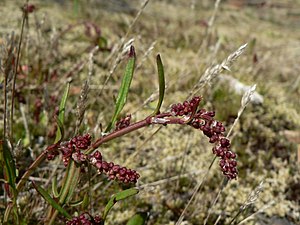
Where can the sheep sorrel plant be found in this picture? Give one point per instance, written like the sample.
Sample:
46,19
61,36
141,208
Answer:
80,153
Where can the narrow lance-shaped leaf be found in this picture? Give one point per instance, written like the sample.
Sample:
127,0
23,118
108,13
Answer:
82,202
123,92
54,187
9,165
51,201
86,201
161,79
61,115
117,197
70,182
73,184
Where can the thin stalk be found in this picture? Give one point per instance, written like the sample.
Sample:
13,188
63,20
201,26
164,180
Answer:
25,14
30,170
223,185
196,190
118,133
70,178
52,220
159,119
236,216
5,105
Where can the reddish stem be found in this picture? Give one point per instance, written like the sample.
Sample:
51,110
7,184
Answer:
135,126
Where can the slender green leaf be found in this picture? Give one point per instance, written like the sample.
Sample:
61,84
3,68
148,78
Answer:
54,187
137,219
61,115
75,203
74,182
123,92
69,183
161,79
9,165
83,202
86,201
60,131
118,197
51,201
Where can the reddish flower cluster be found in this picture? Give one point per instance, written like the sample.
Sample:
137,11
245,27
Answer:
114,172
186,107
52,152
28,8
214,130
124,122
72,148
85,219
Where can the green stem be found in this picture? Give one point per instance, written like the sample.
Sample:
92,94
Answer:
68,186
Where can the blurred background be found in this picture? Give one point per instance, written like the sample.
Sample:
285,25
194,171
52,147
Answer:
191,36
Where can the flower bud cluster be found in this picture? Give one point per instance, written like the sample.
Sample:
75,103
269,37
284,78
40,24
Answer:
214,130
124,122
185,108
85,219
52,154
28,8
227,163
113,171
72,148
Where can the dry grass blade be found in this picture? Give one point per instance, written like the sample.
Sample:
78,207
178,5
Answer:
215,201
245,100
81,105
6,66
146,54
213,17
209,27
166,180
253,196
123,39
214,71
261,210
25,17
117,61
121,45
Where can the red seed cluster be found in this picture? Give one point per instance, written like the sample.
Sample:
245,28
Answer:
113,171
186,107
85,219
227,163
72,148
214,130
52,152
124,122
28,8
